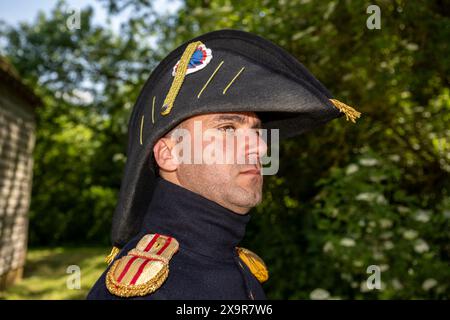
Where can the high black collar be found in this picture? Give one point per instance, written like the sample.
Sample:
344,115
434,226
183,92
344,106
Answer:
200,225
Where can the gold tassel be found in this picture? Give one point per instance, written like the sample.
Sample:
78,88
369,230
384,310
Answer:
179,77
112,255
350,113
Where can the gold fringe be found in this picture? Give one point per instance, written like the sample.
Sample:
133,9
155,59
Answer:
112,255
350,113
179,77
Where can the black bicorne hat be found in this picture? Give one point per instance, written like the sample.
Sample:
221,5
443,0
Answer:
220,71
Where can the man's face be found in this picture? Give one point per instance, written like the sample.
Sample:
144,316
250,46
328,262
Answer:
234,178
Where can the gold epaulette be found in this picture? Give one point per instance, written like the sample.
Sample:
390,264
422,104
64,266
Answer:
144,269
254,263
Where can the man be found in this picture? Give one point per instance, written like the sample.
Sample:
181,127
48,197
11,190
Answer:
186,210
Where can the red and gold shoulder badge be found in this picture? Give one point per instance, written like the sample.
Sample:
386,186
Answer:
254,263
144,269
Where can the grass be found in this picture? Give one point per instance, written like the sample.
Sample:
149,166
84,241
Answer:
45,275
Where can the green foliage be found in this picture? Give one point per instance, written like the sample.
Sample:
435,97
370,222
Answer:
364,219
346,196
89,79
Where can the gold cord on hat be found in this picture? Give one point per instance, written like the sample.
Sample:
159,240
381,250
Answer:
232,80
153,110
179,77
142,126
209,80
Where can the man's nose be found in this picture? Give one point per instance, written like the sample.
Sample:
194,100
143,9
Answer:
255,146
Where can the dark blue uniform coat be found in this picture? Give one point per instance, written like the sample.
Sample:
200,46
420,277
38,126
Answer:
207,265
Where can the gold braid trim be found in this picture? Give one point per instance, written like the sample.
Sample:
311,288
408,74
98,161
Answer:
124,290
350,113
112,255
254,263
147,255
179,77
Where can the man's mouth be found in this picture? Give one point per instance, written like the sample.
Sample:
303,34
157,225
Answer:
253,171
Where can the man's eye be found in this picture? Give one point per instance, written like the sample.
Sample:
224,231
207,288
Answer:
227,129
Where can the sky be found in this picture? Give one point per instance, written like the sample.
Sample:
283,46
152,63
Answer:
15,11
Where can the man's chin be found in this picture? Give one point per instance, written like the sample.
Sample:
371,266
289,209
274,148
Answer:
251,196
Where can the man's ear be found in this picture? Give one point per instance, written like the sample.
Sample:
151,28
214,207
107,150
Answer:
162,152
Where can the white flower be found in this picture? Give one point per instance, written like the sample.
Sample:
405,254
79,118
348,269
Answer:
334,212
428,284
352,168
410,234
371,197
377,179
368,162
385,223
381,199
346,276
384,267
396,284
402,209
363,287
394,157
319,294
328,246
388,245
421,246
412,46
358,263
118,157
378,255
347,242
367,196
386,235
422,215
